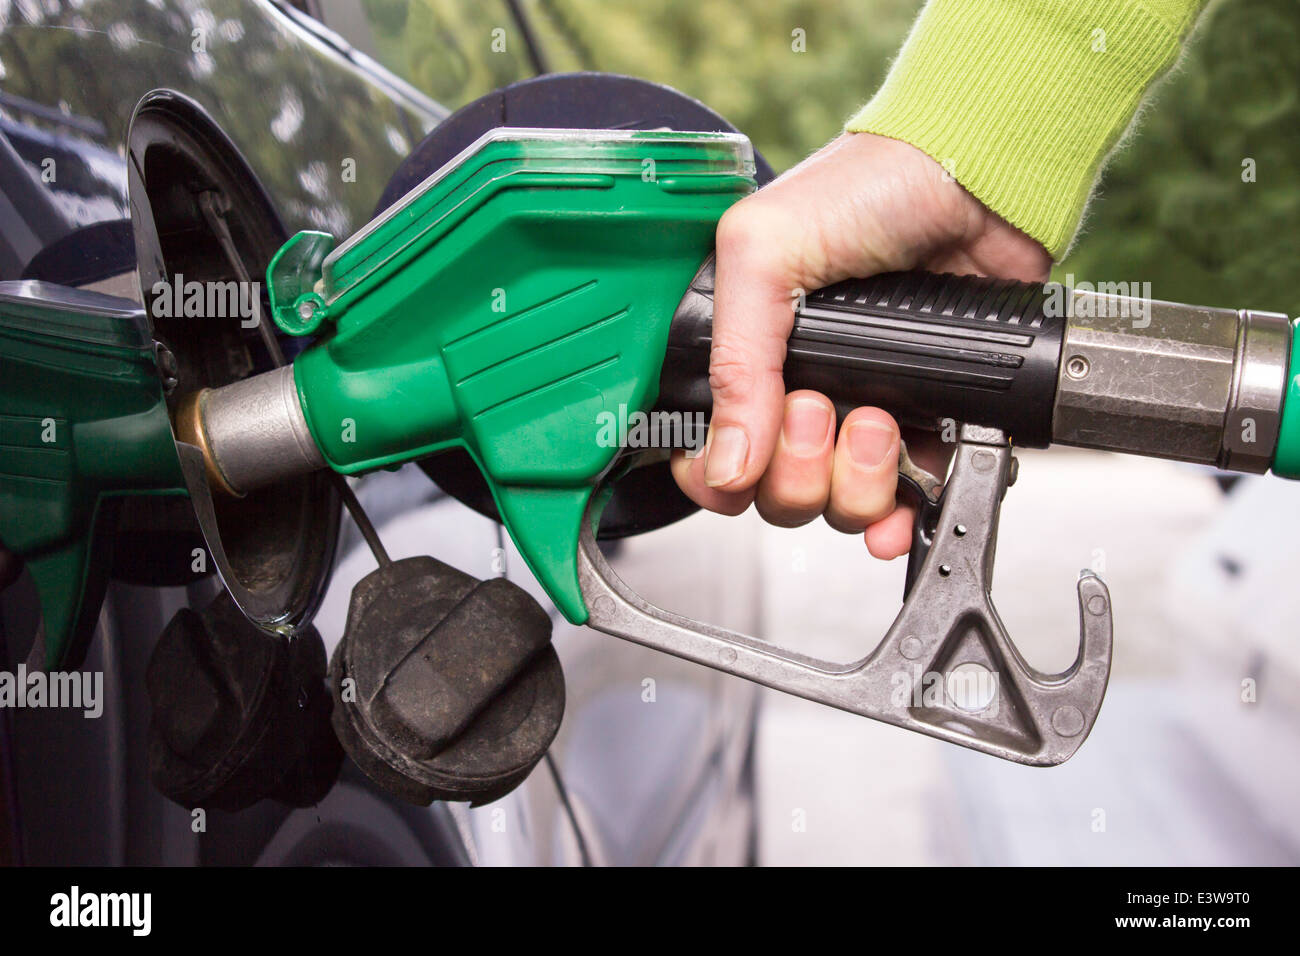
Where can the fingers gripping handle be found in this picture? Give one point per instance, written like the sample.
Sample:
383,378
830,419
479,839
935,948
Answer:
924,347
946,668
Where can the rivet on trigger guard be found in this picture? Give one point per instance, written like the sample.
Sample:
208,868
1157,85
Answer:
1097,605
1068,721
603,607
910,648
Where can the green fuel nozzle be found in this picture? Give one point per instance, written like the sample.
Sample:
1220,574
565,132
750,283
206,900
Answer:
506,305
547,281
83,424
532,288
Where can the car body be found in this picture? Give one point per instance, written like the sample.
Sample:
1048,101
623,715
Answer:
655,755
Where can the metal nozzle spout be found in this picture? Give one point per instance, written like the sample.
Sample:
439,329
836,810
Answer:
252,433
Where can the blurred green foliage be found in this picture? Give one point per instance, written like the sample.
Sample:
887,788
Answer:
737,56
1173,208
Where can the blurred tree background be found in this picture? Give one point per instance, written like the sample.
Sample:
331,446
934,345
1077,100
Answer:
1177,208
740,57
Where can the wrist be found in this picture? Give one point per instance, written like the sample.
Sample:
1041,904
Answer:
1021,101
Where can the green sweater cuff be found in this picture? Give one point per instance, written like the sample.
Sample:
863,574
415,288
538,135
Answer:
1021,100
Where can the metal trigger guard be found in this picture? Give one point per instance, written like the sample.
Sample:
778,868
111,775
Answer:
946,650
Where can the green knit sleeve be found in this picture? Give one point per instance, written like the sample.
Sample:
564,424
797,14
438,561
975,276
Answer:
1021,100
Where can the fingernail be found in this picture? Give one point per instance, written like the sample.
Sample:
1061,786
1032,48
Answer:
807,422
725,456
870,443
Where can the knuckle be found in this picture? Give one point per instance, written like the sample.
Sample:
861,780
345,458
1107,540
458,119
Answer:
790,504
863,507
729,505
782,516
754,230
843,525
736,228
731,373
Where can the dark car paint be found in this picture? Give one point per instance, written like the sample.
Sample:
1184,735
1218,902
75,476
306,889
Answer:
301,106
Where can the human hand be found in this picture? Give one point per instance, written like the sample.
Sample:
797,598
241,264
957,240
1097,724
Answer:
861,205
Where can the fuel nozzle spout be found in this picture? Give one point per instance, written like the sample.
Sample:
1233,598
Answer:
252,433
1172,381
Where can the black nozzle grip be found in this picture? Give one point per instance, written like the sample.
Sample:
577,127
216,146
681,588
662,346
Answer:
924,347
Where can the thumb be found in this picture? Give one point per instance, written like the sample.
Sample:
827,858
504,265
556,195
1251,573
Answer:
752,318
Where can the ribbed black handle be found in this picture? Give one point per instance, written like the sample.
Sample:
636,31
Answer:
924,347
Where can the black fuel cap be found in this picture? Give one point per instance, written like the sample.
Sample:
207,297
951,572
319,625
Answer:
445,687
238,714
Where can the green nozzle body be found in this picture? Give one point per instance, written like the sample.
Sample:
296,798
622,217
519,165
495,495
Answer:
82,423
509,305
